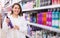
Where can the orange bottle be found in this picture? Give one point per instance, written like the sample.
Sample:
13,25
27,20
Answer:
44,19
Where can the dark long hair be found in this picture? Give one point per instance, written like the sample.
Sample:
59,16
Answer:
20,13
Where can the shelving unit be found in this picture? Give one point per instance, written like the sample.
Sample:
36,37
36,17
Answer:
45,27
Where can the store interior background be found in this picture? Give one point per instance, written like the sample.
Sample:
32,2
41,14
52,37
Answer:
44,18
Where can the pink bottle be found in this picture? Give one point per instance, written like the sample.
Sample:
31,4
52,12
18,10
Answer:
49,18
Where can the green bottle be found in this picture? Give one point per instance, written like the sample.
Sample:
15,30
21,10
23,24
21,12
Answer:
37,3
59,20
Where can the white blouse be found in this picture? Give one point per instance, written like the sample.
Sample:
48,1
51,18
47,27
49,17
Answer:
20,22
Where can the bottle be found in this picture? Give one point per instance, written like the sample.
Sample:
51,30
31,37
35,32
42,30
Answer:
39,18
59,18
10,23
52,2
37,3
41,3
44,19
33,17
49,18
44,34
45,2
58,1
33,34
29,32
39,34
49,2
55,19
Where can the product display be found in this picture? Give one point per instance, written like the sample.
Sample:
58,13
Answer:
44,34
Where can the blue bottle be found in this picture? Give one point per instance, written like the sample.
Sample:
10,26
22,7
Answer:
10,24
55,19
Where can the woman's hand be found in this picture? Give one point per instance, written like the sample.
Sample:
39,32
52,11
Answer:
16,27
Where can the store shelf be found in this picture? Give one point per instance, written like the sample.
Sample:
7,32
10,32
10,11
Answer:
44,7
45,27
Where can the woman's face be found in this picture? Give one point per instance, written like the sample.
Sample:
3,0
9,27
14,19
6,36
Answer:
16,9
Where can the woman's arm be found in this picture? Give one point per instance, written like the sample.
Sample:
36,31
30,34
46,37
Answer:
5,24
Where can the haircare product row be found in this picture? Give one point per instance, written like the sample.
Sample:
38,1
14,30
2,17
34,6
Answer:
29,4
43,34
36,32
49,18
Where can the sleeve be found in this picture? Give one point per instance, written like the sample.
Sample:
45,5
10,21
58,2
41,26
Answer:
23,28
4,25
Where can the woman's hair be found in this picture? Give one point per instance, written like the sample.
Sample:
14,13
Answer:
20,13
1,20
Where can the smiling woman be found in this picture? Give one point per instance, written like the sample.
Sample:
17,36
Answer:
17,21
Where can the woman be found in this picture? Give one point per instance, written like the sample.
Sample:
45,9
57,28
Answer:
18,22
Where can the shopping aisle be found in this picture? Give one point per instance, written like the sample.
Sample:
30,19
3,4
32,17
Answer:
43,17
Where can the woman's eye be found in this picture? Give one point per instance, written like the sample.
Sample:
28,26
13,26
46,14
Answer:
15,7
